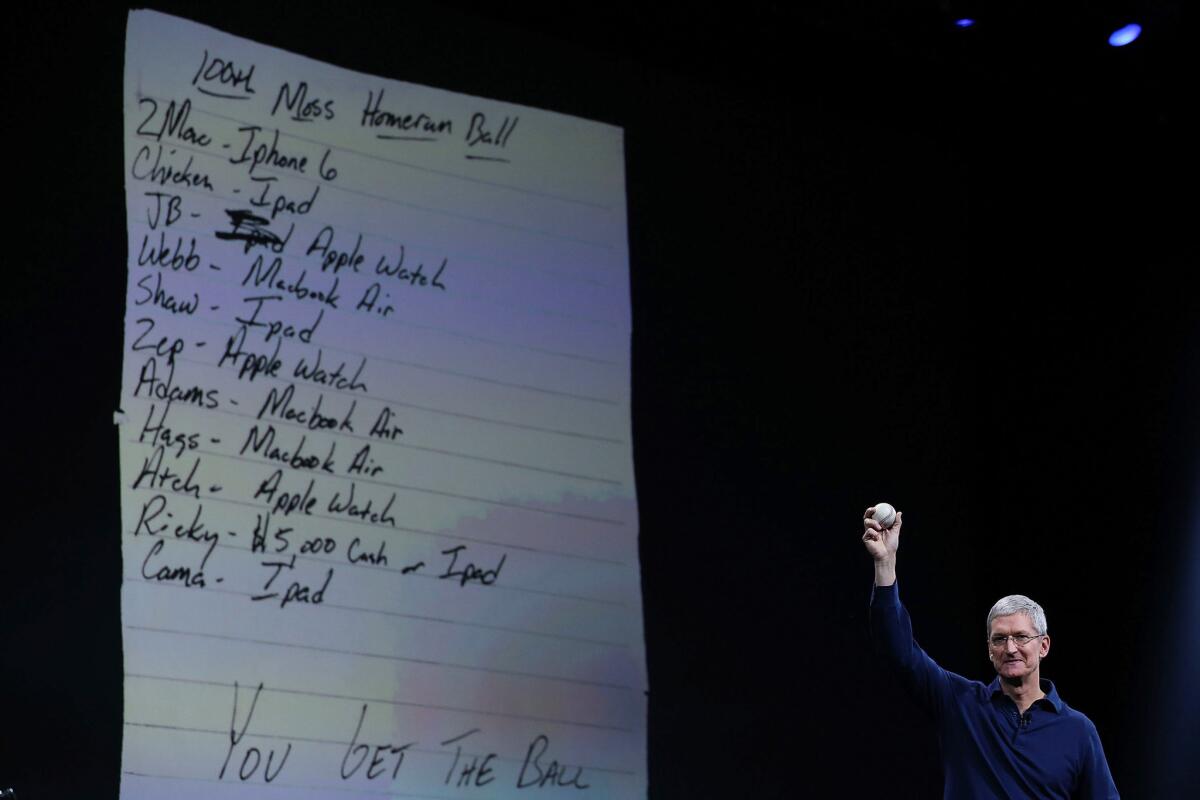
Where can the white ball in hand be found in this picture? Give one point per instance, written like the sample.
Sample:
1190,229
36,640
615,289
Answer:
884,514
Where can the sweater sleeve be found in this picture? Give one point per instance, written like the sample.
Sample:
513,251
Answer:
891,635
1095,779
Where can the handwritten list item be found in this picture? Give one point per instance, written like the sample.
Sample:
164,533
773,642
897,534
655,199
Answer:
379,524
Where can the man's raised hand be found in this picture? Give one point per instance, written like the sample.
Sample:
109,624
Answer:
881,542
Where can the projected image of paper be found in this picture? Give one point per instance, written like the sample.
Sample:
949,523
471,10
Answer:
379,522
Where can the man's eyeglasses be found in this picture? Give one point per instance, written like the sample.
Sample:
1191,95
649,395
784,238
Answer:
1020,640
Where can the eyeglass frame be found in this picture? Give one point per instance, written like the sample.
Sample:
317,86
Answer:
999,642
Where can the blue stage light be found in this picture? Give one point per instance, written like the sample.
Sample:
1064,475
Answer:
964,22
1123,36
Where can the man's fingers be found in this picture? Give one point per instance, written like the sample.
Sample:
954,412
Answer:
871,524
899,521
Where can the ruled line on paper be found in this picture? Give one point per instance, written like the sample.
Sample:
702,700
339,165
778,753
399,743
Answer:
275,785
472,262
403,703
607,401
340,743
465,256
234,326
399,528
419,448
399,487
502,463
291,786
484,221
389,657
249,734
399,614
416,406
497,587
395,321
458,373
418,167
499,343
607,362
282,423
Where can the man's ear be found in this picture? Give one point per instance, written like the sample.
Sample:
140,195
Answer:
1045,648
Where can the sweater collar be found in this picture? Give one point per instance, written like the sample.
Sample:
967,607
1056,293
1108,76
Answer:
1051,699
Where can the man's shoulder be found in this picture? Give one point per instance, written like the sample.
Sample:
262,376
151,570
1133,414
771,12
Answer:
968,687
1077,717
1065,711
1076,721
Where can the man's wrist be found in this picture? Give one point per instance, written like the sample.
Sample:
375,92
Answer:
885,571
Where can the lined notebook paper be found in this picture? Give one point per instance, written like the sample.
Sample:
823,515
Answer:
379,522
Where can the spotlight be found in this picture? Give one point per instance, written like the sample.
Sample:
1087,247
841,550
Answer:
965,22
1123,36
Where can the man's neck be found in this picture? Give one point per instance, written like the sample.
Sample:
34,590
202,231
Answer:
1024,693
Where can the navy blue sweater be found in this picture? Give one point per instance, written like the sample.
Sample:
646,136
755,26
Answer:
988,749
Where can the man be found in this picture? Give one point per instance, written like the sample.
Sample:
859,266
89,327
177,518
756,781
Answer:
1014,738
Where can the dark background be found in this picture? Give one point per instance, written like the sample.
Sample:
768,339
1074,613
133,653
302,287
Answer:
873,257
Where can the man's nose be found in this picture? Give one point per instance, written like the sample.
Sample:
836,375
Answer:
1010,645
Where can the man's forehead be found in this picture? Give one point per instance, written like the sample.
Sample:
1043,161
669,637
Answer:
1013,623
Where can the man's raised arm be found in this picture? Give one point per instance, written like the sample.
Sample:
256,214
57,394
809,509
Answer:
891,628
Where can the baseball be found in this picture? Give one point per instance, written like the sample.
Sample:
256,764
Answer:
884,514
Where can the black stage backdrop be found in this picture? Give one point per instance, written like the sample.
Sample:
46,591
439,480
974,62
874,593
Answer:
874,257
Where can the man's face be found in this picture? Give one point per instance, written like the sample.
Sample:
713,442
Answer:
1012,661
